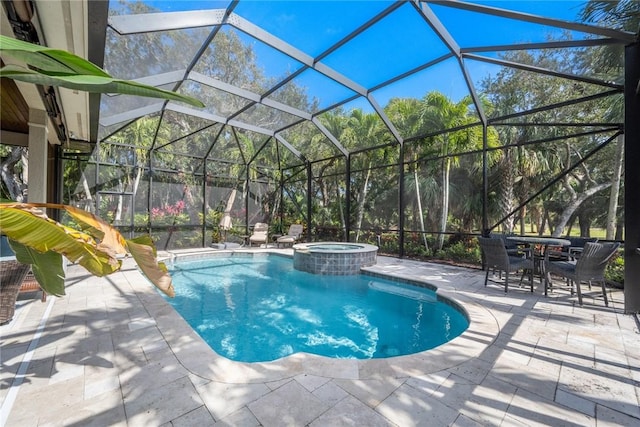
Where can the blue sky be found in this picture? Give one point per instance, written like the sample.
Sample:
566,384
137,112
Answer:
397,44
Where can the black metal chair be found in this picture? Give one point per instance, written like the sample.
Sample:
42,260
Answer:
496,258
589,267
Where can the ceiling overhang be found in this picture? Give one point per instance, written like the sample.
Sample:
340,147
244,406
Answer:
77,27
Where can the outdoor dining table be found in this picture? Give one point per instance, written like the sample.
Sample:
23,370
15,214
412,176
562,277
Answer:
544,243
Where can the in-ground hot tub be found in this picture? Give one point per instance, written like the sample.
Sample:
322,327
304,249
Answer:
335,258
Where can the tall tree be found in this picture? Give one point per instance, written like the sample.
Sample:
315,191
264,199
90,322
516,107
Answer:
405,115
362,127
608,61
514,90
439,113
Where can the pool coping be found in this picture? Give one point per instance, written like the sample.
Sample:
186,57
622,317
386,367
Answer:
200,359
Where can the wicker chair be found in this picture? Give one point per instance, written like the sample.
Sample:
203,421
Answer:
12,274
496,258
589,267
571,252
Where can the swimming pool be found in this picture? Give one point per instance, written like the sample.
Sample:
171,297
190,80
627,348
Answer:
259,308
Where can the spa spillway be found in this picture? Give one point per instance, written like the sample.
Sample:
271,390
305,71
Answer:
334,258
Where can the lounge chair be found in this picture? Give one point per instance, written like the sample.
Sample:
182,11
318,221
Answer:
260,232
589,267
497,258
292,236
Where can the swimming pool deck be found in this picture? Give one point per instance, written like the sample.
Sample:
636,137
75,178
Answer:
113,352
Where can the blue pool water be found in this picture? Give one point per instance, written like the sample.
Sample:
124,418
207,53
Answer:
333,247
255,309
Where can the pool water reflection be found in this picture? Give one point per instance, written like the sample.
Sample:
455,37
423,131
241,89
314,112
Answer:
254,309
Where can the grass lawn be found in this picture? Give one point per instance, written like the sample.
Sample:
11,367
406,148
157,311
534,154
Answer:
599,233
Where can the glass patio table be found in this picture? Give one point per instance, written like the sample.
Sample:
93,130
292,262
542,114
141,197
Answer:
538,258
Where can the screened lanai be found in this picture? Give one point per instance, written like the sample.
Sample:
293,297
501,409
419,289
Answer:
412,125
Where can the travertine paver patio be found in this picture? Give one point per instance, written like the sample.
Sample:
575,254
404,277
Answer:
113,352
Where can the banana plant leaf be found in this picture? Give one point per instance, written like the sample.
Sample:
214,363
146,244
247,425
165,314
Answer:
29,226
143,252
54,67
47,59
46,267
95,248
111,240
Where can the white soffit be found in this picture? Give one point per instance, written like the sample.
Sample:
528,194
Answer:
64,26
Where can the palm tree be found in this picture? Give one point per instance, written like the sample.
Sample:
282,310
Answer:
405,115
336,123
438,112
363,127
618,14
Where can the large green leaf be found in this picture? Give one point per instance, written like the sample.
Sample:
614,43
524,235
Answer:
96,84
53,67
42,234
111,240
144,252
47,267
47,59
27,224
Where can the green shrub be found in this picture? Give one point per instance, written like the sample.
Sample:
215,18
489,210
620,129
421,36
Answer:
615,269
461,251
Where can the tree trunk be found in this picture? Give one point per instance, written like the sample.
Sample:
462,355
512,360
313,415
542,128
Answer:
11,179
341,209
620,230
563,218
324,191
523,217
585,225
570,225
445,201
361,202
420,214
118,214
190,205
544,220
88,202
506,194
615,190
136,181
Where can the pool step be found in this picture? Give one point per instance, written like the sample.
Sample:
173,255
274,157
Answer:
409,293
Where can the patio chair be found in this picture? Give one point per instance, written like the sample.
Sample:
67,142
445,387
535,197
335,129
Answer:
292,236
513,248
589,267
572,251
497,259
260,232
12,273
